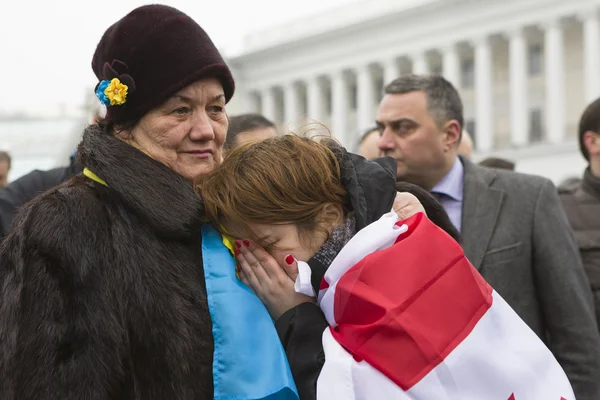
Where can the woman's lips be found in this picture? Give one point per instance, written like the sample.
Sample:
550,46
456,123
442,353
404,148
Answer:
200,153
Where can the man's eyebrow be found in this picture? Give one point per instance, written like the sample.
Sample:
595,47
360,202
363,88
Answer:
395,121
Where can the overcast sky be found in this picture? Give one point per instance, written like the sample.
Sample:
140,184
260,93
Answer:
46,46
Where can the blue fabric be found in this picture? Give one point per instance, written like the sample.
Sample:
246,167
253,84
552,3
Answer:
249,360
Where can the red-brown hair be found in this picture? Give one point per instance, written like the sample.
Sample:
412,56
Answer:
282,180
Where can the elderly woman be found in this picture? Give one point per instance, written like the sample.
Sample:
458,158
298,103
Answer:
112,285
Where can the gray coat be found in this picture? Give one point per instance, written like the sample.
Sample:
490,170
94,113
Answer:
516,234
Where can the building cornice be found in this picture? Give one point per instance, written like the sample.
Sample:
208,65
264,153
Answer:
338,23
422,29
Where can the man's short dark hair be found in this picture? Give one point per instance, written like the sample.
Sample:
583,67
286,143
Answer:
5,157
590,121
499,163
244,123
443,100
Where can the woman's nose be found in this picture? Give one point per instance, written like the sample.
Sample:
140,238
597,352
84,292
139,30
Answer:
202,128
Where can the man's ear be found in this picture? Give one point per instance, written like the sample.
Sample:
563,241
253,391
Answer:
591,140
452,132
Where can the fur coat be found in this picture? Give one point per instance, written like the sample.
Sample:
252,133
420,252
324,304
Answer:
103,293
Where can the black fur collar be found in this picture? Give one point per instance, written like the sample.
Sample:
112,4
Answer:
162,197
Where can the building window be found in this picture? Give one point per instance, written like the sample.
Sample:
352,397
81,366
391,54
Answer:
470,127
535,125
536,60
353,97
467,73
436,69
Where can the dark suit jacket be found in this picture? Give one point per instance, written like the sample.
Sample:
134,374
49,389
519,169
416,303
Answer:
516,234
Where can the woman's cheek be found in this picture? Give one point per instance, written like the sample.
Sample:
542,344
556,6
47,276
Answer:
279,256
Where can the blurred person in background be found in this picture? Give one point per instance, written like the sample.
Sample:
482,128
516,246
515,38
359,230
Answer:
581,199
247,128
24,189
368,144
499,163
513,227
4,168
569,181
465,147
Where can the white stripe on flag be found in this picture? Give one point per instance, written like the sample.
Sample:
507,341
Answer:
501,357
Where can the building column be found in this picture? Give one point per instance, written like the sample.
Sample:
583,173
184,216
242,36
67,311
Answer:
290,103
519,103
366,98
269,108
451,65
419,64
591,55
555,82
391,71
339,107
253,103
484,116
314,95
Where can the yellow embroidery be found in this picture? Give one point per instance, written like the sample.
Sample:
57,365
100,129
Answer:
94,177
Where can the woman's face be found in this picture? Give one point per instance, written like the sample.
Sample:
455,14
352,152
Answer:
187,132
283,240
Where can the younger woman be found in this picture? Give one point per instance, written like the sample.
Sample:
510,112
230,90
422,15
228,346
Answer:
389,309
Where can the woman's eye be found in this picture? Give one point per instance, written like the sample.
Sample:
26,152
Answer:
181,110
269,246
216,109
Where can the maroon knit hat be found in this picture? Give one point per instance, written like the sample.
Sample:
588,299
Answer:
156,51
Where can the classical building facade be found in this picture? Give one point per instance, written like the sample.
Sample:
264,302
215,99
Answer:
525,70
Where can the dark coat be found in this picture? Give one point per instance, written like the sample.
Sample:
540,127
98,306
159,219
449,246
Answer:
371,189
103,293
515,233
581,201
19,192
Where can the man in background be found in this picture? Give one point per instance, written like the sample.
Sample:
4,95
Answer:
581,199
4,168
513,228
24,189
500,163
465,147
246,128
368,146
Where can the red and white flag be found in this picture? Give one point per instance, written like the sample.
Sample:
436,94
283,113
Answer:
411,318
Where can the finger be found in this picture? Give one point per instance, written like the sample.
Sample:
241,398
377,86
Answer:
269,264
245,281
402,200
290,266
257,265
249,273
